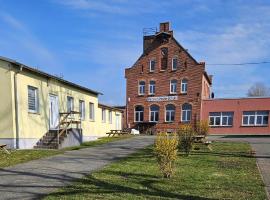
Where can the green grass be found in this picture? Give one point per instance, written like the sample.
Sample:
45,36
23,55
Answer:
227,172
21,156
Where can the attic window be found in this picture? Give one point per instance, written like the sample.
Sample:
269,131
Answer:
164,58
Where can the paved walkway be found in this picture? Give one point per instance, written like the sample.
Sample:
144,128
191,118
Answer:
34,179
262,147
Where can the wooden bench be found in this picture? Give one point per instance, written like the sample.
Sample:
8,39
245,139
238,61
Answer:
3,147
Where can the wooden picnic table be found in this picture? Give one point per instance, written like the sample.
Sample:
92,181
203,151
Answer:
199,138
117,132
3,147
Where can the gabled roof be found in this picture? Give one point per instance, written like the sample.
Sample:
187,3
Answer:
21,66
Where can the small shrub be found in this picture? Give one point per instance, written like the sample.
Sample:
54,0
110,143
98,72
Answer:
166,153
185,135
202,127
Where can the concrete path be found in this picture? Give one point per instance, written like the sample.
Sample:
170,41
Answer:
262,147
34,179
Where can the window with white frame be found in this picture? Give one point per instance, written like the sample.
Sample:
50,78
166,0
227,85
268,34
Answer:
255,118
152,65
154,113
152,87
82,109
110,116
174,64
221,118
173,86
70,104
33,99
170,113
103,115
91,111
141,88
139,112
184,85
186,112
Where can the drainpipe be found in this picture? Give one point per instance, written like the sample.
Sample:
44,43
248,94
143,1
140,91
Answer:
16,107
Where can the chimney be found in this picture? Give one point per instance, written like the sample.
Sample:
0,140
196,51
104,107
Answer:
164,27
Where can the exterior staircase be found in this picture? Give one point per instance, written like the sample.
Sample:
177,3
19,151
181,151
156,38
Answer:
55,139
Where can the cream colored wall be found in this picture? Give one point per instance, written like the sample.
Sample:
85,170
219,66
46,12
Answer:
35,125
105,127
7,125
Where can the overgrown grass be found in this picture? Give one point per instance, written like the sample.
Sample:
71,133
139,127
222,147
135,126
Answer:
227,172
21,156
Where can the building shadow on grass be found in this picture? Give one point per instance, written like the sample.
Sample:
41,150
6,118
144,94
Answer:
91,186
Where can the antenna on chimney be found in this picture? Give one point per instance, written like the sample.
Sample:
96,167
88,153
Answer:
149,31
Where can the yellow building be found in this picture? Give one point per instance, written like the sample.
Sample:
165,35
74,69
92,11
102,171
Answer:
32,103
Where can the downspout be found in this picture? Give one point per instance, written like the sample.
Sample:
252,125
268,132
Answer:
16,108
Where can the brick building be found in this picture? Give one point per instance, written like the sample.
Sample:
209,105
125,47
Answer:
166,85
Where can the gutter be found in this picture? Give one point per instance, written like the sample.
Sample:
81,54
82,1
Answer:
16,107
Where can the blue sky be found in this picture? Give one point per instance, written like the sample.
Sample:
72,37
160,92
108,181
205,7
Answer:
92,42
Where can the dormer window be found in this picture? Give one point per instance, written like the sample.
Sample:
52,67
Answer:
141,88
152,65
174,64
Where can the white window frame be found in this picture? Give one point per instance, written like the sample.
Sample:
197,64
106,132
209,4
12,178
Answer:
141,88
255,115
152,67
91,111
152,88
103,115
170,114
173,86
139,114
221,116
174,68
110,116
36,100
71,106
154,114
185,114
82,109
184,86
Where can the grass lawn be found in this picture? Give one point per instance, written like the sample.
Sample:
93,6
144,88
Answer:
21,156
228,172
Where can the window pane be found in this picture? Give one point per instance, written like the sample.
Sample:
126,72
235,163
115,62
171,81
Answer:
167,116
217,121
188,115
245,120
230,121
265,120
211,121
259,120
152,117
249,112
215,114
136,116
224,121
141,116
172,116
157,116
251,120
262,113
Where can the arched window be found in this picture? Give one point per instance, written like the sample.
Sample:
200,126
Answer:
184,84
141,88
170,113
154,113
173,86
152,87
139,113
186,112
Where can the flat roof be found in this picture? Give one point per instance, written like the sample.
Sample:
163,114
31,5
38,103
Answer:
44,74
237,98
101,105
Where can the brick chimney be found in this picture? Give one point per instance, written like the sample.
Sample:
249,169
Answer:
164,27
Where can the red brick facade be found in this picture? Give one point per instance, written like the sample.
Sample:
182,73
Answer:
162,47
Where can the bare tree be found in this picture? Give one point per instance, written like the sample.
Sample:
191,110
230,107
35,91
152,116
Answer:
258,90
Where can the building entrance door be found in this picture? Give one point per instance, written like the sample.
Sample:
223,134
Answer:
53,112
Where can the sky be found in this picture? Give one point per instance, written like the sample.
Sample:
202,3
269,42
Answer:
91,42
